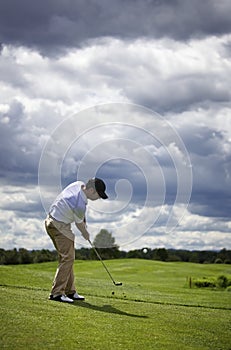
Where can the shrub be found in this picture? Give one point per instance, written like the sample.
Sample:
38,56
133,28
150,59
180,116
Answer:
227,261
222,281
218,261
205,283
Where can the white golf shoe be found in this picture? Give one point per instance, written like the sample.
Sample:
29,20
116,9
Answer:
62,298
75,296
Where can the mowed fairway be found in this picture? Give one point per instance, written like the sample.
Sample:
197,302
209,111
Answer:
154,309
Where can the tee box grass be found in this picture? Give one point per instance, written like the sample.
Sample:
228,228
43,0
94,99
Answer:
154,309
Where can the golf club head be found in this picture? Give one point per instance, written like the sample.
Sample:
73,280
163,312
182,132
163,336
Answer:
118,284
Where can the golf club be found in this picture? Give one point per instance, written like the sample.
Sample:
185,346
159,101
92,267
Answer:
96,252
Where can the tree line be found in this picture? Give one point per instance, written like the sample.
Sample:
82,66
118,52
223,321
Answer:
108,249
24,256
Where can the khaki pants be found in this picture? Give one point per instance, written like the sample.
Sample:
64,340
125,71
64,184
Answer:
60,234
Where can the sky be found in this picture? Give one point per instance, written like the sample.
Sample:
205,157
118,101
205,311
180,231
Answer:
135,92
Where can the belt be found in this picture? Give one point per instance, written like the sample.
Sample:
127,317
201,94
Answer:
50,216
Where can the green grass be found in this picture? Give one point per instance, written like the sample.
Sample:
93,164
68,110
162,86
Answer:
154,309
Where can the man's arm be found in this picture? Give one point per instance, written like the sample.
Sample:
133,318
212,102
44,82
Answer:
82,228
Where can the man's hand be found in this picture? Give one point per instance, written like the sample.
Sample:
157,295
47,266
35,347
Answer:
82,228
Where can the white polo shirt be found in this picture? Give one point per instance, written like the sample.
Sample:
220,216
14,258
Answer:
70,205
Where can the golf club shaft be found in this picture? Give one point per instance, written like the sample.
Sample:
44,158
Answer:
96,252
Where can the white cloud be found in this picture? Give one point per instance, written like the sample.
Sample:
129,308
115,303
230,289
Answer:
170,73
38,93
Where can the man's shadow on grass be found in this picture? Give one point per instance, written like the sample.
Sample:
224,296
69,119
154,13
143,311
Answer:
106,308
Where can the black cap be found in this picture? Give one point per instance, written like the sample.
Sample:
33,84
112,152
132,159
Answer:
100,188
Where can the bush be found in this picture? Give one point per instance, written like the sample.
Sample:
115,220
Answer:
205,283
222,281
218,261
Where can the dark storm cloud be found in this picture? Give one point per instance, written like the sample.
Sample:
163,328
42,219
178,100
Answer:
211,163
19,152
24,209
215,203
53,25
181,94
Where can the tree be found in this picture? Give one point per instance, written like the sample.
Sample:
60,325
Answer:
12,257
24,256
105,244
104,239
161,254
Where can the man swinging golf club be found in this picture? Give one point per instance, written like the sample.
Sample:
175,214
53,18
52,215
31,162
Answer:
68,207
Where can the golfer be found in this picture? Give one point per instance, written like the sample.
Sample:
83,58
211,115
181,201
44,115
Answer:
70,206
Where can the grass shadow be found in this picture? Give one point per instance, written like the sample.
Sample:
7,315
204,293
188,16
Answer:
106,308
